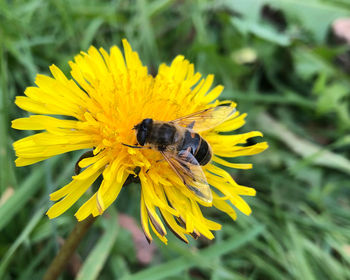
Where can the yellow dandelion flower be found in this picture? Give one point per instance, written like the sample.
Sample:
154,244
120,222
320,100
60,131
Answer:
110,94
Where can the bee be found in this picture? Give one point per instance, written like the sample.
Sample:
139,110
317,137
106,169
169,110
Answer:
181,145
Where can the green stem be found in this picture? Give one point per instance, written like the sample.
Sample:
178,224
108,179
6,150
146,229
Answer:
67,250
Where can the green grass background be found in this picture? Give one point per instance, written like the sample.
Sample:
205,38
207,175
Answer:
295,90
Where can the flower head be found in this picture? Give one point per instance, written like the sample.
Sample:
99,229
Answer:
108,95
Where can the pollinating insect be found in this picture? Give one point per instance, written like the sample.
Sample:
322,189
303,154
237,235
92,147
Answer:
181,145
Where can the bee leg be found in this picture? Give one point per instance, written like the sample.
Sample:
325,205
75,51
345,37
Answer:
186,152
77,168
187,155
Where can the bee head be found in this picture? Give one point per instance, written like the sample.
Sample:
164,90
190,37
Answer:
143,129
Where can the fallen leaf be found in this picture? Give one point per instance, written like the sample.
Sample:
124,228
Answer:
144,251
341,28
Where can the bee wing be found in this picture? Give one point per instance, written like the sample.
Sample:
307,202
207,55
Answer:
190,172
206,119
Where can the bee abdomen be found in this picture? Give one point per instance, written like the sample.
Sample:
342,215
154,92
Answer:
203,153
199,147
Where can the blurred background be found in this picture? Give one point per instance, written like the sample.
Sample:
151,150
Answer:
285,62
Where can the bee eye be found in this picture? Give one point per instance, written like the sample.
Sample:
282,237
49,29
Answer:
141,137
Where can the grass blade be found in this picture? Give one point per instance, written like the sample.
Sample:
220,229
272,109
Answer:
21,238
174,267
309,151
25,192
97,258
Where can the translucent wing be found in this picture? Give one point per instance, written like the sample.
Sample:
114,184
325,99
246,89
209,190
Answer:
206,119
190,172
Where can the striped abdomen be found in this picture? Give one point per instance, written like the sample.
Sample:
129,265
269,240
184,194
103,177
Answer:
199,147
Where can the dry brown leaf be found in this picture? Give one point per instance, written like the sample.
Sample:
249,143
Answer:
341,28
144,251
